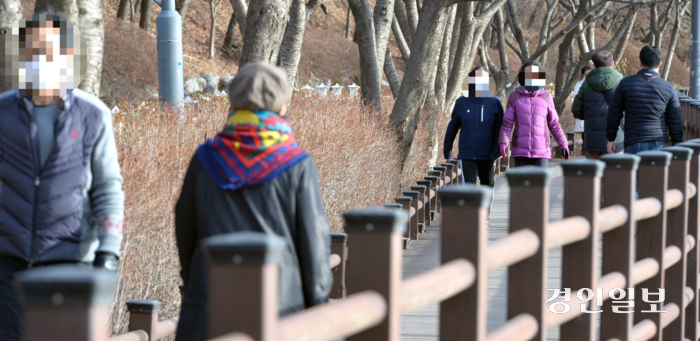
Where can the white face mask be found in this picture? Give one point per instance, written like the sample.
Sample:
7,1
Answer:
42,74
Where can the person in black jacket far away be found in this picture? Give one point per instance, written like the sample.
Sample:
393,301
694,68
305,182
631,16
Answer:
252,176
650,105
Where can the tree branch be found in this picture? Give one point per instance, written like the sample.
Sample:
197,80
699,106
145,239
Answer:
398,36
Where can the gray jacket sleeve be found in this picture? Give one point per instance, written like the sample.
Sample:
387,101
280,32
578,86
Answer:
106,193
313,238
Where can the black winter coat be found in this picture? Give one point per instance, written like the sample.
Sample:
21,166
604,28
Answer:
480,119
650,105
288,206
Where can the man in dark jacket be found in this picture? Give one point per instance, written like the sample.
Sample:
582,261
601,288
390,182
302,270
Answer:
650,105
61,198
592,102
253,176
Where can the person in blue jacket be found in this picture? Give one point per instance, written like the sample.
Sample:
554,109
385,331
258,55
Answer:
479,117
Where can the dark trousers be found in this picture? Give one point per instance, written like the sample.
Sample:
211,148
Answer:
530,162
484,169
11,311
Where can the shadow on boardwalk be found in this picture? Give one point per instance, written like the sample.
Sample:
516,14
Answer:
424,255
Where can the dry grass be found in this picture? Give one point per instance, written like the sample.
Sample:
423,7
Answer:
356,156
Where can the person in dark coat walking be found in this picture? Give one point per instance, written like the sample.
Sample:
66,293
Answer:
61,198
650,105
479,117
252,176
592,102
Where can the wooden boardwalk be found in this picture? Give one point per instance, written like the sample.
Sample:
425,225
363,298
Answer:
424,255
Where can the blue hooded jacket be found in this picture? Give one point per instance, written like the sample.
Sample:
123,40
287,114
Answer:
480,120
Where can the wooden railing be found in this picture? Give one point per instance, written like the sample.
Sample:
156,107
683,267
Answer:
647,243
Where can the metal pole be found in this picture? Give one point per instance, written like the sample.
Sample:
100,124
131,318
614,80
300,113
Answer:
170,75
695,52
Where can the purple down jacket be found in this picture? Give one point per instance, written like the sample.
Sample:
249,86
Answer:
531,114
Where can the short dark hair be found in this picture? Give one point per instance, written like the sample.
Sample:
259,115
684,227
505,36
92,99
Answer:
650,56
602,58
587,67
521,73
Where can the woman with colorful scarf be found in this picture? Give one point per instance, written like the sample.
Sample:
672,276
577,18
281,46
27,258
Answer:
252,176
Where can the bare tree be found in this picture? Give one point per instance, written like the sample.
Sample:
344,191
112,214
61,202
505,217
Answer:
230,29
91,25
181,6
10,13
135,8
241,10
369,68
444,59
680,12
213,8
146,8
265,26
290,50
124,9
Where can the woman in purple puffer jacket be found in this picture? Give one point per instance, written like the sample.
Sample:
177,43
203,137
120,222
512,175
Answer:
531,111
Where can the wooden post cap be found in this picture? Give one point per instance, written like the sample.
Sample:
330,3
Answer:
529,176
339,237
376,220
243,248
440,168
621,161
143,306
425,183
695,146
679,153
447,165
583,167
412,194
436,173
467,195
68,284
693,140
431,178
655,158
394,206
418,188
404,200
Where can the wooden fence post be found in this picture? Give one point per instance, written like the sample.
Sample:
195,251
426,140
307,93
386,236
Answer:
421,207
243,282
428,200
619,183
143,314
440,184
457,170
676,231
691,312
413,226
339,246
651,233
450,168
445,176
465,235
66,302
529,208
434,185
406,204
580,259
376,264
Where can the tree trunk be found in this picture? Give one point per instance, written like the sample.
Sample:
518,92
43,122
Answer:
213,8
10,13
402,18
425,52
412,12
228,40
383,16
364,31
65,8
181,7
347,24
241,10
680,11
443,62
455,36
400,41
92,29
145,14
590,36
290,51
265,27
124,6
391,76
627,25
135,11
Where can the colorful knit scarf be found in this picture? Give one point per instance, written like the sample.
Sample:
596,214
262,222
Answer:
254,148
